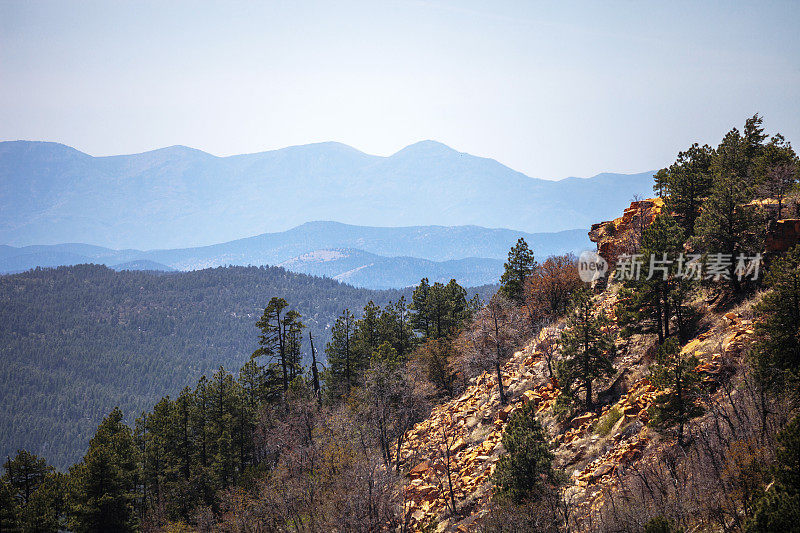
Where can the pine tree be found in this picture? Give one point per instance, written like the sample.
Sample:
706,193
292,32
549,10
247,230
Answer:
726,226
223,410
202,442
272,344
686,183
45,510
293,331
9,508
525,472
420,305
29,497
776,353
520,265
674,372
24,473
366,333
457,309
753,138
154,440
660,293
588,349
102,487
395,329
252,380
343,368
184,453
439,310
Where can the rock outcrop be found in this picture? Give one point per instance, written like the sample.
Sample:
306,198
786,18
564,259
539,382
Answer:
782,235
621,235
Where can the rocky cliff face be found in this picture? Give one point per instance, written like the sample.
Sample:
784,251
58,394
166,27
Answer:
782,235
622,235
466,433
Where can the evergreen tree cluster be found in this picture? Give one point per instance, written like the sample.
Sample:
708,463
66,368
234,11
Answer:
379,335
77,341
710,191
436,314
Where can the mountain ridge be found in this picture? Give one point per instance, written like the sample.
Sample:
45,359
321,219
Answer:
396,257
51,193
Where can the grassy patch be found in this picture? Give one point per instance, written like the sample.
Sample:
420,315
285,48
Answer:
607,422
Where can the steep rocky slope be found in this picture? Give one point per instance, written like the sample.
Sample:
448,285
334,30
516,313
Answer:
599,451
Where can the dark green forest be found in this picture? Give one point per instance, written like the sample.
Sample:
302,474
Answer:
184,453
77,341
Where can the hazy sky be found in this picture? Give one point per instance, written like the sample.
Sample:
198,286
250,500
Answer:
549,90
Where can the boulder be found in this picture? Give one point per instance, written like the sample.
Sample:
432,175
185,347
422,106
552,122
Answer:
419,470
602,470
458,445
782,235
580,420
505,412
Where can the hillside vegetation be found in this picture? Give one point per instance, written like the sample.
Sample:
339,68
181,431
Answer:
660,398
77,341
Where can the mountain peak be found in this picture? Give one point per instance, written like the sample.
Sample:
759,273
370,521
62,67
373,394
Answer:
426,148
45,149
178,150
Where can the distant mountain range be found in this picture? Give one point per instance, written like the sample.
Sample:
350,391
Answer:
370,257
176,197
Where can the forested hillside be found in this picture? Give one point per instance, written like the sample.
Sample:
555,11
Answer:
77,341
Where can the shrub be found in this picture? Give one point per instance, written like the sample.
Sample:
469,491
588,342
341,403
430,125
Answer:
660,524
607,422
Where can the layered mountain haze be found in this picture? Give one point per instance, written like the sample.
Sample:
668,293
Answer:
51,193
362,269
370,257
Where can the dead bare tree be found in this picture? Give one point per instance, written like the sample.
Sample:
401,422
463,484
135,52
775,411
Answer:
442,465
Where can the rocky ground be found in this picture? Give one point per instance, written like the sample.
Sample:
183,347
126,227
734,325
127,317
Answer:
459,444
467,431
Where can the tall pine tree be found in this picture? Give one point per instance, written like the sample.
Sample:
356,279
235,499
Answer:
674,373
343,366
102,487
588,350
519,266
